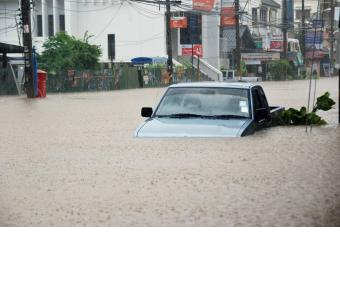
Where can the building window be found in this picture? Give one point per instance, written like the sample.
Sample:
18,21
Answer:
263,15
193,33
254,15
272,16
50,25
298,14
111,46
62,22
39,26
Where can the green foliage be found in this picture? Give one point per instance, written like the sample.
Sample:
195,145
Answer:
323,102
244,71
63,52
293,116
280,69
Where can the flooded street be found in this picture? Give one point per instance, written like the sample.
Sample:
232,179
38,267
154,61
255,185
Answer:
72,160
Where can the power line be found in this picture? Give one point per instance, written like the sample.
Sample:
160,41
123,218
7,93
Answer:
111,20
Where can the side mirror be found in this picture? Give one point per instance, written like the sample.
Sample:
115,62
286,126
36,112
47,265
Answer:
261,114
146,111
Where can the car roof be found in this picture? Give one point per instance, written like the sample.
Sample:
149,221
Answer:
213,85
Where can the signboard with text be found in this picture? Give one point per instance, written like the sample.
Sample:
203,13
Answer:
276,42
228,16
203,5
256,58
178,22
189,50
313,38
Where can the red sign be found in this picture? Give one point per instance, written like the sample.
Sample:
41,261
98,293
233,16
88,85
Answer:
276,45
178,22
228,16
276,42
205,5
317,54
196,50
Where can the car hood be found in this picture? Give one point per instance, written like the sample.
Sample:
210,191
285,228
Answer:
192,127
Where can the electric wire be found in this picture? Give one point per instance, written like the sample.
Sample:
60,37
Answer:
110,21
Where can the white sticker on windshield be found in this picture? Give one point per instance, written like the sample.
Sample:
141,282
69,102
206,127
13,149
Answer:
244,109
243,104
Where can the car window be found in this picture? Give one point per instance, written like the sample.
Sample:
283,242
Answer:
205,101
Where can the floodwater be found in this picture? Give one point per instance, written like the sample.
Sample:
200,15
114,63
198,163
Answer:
72,160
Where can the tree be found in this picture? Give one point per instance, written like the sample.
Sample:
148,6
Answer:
63,52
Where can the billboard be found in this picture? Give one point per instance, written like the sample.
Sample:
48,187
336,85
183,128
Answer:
203,5
195,49
314,38
257,58
228,16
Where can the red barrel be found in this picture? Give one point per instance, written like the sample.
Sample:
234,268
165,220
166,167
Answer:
42,77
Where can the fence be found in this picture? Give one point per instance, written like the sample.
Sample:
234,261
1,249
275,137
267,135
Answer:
119,77
7,82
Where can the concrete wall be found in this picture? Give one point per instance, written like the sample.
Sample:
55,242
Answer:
210,39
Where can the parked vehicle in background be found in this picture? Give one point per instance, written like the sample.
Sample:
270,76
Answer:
209,109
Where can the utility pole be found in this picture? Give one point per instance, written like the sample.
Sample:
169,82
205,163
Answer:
332,37
27,42
284,28
168,41
238,41
303,20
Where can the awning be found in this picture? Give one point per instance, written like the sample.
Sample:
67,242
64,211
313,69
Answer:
9,48
141,60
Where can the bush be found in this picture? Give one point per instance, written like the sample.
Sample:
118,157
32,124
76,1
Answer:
293,116
280,69
63,52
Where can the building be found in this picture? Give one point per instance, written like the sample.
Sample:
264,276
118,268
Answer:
138,29
318,39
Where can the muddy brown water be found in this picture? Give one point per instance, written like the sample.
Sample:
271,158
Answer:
72,160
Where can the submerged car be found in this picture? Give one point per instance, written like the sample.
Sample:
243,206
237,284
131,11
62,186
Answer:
209,109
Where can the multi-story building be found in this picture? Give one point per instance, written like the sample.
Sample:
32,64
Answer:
139,29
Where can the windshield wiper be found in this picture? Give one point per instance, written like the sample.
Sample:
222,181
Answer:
226,116
181,115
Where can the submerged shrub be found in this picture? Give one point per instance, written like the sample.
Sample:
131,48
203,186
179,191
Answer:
294,116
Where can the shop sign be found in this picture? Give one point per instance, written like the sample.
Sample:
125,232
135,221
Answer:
179,22
313,38
276,42
228,16
189,50
203,5
250,58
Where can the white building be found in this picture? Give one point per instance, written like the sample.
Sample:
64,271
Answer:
139,29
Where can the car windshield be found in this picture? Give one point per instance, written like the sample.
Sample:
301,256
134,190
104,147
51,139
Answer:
205,102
